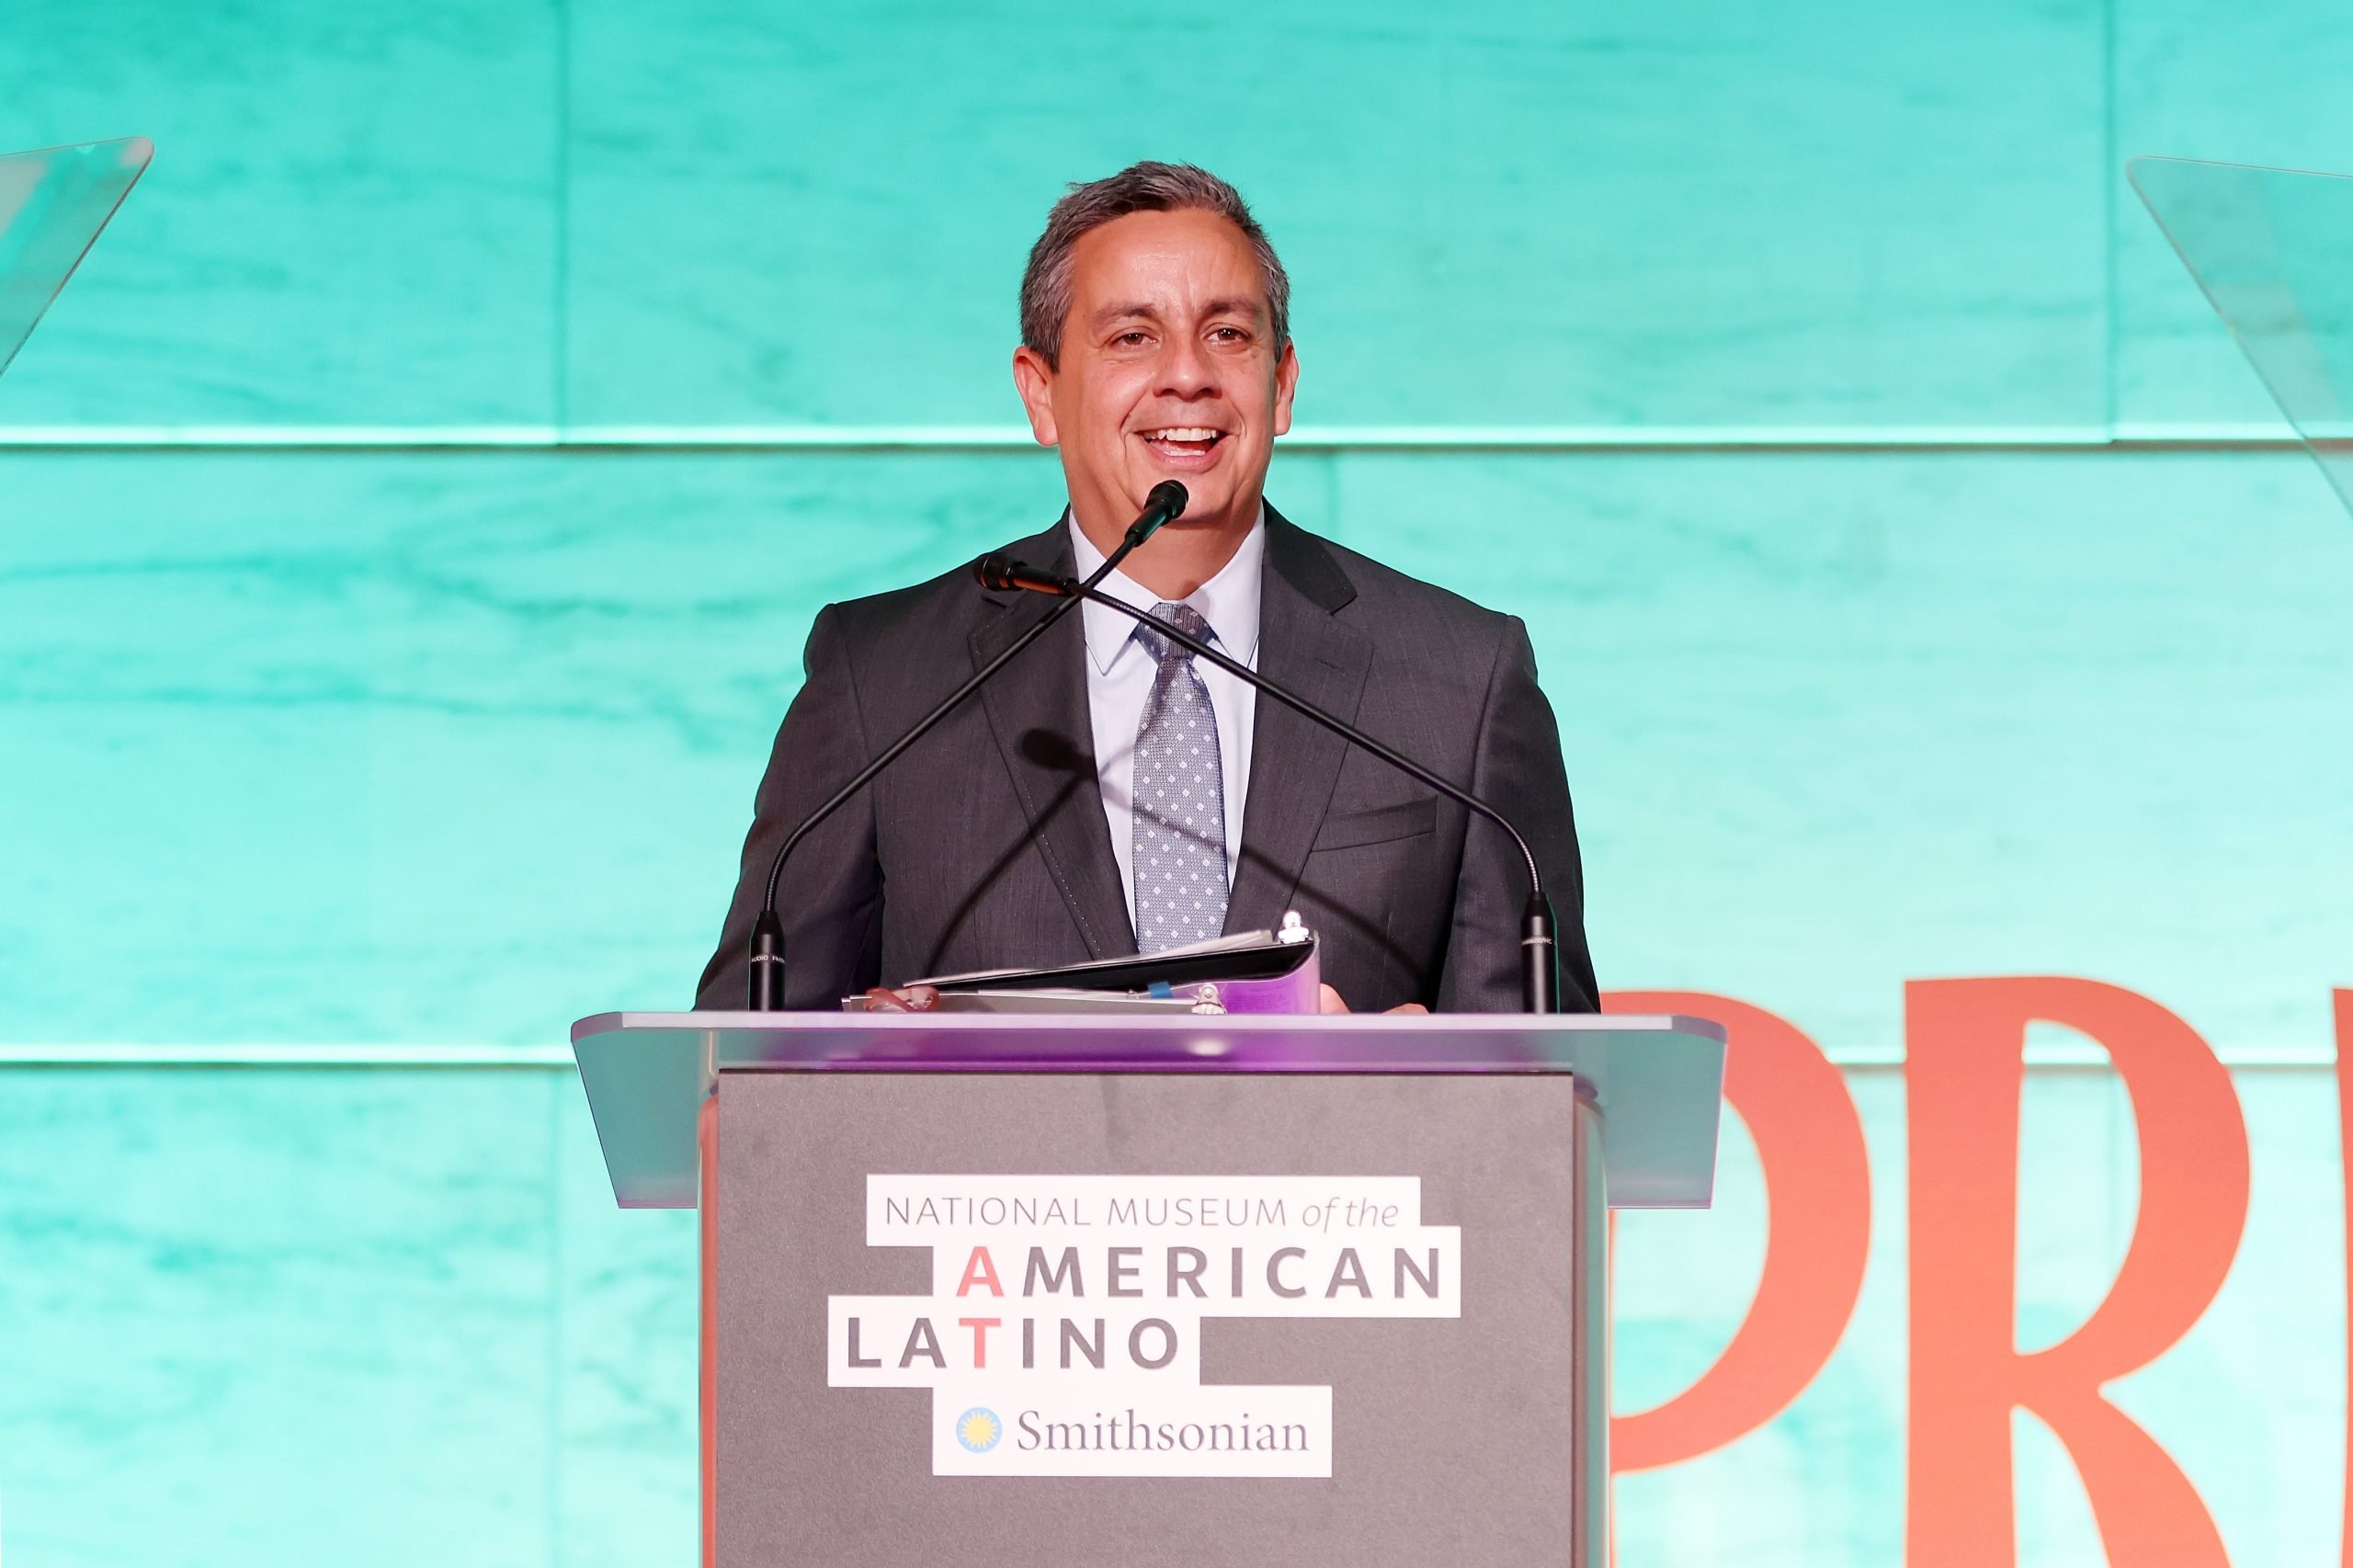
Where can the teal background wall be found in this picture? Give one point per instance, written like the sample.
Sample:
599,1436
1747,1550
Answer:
404,529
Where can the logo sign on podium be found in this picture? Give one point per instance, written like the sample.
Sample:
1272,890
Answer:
1061,1332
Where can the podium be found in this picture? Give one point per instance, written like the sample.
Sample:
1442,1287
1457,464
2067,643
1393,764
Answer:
1097,1290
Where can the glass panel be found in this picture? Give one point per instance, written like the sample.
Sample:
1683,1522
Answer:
53,204
2273,250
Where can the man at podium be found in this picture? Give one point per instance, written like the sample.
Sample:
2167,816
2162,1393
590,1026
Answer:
1108,793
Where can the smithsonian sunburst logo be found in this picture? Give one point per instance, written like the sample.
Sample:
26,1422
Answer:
979,1429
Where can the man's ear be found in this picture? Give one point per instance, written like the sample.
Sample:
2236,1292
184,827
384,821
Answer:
1034,379
1286,383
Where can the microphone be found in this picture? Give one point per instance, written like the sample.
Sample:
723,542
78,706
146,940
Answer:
1164,505
1165,502
1540,959
1004,575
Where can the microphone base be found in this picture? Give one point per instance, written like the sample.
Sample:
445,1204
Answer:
1540,957
768,964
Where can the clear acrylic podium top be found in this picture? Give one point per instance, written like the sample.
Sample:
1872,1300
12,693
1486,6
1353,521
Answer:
1657,1079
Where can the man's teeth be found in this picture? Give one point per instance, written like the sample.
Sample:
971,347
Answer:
1182,433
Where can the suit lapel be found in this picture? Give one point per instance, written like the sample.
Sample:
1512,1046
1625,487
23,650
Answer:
1038,712
1294,761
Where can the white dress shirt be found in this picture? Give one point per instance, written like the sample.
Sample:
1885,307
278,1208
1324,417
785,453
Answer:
1119,680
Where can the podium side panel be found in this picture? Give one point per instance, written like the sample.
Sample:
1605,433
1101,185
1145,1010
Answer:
707,1351
1451,1438
1590,1259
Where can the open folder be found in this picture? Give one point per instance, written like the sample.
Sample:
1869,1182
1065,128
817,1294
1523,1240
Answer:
1250,971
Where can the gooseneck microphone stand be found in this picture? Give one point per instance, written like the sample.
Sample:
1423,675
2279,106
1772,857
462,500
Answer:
1540,961
1165,503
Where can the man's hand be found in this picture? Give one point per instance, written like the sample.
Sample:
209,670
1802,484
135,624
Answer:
907,999
1332,1003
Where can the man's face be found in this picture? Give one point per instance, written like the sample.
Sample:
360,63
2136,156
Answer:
1169,371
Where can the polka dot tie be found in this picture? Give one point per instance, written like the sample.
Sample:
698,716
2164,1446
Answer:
1179,794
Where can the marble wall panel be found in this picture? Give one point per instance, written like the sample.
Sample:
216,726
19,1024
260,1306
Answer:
396,747
350,219
1515,213
1682,1286
1838,721
277,1317
1832,214
2249,1404
627,1491
460,748
2259,83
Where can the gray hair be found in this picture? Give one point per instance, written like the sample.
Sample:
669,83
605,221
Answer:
1139,187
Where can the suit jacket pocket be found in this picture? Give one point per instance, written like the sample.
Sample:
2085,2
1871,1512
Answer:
1345,830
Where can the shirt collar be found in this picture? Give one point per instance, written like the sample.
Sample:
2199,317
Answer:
1229,601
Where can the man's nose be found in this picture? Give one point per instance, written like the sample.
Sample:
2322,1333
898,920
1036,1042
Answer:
1187,370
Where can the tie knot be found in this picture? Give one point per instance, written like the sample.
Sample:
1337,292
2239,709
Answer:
1185,619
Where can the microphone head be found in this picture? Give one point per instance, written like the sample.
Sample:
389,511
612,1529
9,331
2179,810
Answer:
1165,504
1002,574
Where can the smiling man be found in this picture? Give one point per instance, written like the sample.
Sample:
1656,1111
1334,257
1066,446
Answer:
1108,793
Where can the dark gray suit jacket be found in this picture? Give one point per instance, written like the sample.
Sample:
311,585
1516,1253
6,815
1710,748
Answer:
985,845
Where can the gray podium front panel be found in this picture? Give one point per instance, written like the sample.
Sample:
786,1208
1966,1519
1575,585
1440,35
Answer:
1450,1438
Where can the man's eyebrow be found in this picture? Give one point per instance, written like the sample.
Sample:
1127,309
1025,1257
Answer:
1238,305
1110,313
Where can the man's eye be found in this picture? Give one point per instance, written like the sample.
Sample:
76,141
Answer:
1130,340
1228,335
